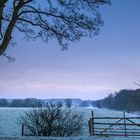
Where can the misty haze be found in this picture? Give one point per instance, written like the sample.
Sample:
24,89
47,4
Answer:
69,69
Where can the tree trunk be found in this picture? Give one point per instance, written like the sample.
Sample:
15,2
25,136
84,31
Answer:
7,37
9,30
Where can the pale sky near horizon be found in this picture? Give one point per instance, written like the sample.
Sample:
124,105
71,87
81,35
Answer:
91,68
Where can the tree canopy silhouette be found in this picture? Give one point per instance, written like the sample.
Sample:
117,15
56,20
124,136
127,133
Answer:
65,20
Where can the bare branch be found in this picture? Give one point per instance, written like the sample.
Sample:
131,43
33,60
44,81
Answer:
2,5
65,20
137,83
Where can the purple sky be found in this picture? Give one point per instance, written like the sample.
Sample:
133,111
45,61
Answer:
91,68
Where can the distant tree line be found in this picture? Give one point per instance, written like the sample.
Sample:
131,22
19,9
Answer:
28,102
33,102
124,100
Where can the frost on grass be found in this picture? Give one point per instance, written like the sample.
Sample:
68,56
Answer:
10,128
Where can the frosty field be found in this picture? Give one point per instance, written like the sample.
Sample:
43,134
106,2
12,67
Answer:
11,128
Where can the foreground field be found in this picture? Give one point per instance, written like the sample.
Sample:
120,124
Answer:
69,138
10,128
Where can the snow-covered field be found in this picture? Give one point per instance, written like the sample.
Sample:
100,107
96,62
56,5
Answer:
11,128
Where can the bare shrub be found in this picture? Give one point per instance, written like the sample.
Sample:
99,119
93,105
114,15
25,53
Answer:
53,120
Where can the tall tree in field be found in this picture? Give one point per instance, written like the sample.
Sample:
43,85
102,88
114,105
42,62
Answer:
65,20
68,103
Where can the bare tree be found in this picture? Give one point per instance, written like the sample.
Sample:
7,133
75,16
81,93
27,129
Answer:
68,103
53,120
65,20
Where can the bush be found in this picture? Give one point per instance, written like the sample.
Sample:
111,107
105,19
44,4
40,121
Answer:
53,120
